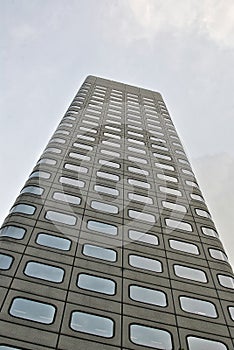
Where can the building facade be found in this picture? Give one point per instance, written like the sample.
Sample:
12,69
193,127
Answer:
110,244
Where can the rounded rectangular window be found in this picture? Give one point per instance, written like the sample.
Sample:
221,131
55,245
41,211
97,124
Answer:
108,176
162,156
5,347
47,161
102,227
107,208
140,198
148,296
231,312
44,272
72,182
137,160
218,254
51,241
76,168
226,281
184,246
190,273
23,209
99,252
79,156
106,190
202,213
5,261
138,171
209,232
197,306
134,214
53,150
174,206
92,324
109,164
151,337
145,263
137,150
179,225
41,174
32,310
167,178
164,166
138,183
60,217
64,197
96,284
12,232
110,153
170,191
195,343
196,197
143,237
38,191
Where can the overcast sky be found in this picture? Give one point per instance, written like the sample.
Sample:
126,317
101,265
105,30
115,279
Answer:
182,48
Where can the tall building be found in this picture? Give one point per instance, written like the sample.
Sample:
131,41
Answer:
110,244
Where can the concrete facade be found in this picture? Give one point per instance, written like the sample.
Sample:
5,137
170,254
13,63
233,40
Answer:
110,244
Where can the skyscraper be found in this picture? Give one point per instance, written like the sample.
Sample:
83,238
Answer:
110,244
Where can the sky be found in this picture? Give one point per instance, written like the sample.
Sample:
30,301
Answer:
183,49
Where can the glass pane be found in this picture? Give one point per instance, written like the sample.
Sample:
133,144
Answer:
167,178
107,208
43,271
170,191
102,227
183,246
53,150
33,190
149,296
196,197
152,337
202,213
165,166
60,217
231,312
174,206
218,254
73,182
204,344
145,263
139,183
47,161
92,324
141,216
24,209
12,232
79,169
96,284
42,174
196,306
109,164
5,347
32,310
106,190
209,232
180,225
138,171
139,198
143,237
226,281
5,261
108,176
99,252
53,241
190,273
79,156
66,198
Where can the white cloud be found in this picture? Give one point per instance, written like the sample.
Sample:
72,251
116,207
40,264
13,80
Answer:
146,19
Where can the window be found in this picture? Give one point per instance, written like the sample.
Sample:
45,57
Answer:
231,312
109,164
110,153
53,150
79,156
44,272
226,281
77,168
60,217
5,347
184,246
5,261
111,144
197,306
138,171
209,232
82,146
41,174
137,142
145,263
137,150
218,254
93,131
174,206
85,137
148,296
143,237
106,190
162,148
190,273
55,242
167,178
139,198
187,172
136,134
170,191
180,225
191,183
134,214
23,208
165,166
161,156
152,337
138,183
92,324
64,132
58,140
112,128
157,139
108,134
99,252
12,232
137,160
70,181
32,310
196,197
96,284
33,190
61,196
102,227
47,161
108,176
195,343
67,125
107,208
202,213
